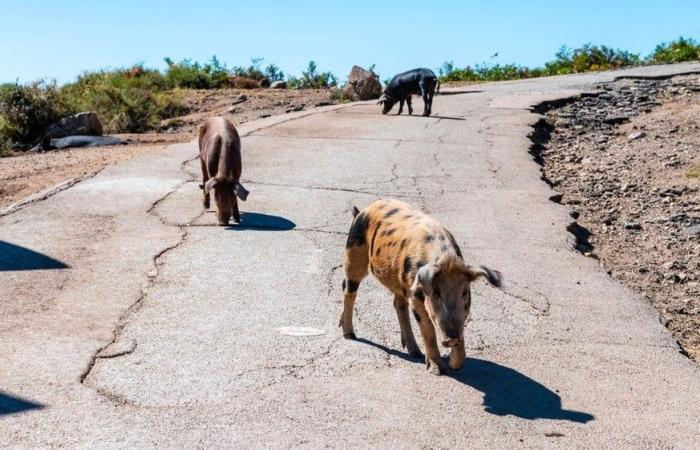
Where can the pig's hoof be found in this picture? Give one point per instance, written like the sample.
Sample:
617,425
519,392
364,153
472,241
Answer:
456,365
350,335
436,368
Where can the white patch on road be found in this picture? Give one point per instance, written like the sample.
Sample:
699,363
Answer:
301,331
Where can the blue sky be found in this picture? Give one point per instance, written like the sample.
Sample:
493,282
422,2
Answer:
61,38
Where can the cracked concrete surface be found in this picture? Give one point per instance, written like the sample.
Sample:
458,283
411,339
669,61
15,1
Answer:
165,329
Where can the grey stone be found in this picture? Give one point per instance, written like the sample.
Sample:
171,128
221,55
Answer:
280,84
84,123
86,141
616,119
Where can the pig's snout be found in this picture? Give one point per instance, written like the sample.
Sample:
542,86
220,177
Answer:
451,343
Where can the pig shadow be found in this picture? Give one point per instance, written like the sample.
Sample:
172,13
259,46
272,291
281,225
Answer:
460,92
506,391
10,404
262,222
14,258
433,116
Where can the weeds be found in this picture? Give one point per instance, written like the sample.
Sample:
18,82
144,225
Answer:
681,49
693,172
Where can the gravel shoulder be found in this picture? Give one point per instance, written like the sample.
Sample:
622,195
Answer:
627,162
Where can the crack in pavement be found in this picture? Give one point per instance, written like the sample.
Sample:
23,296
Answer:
540,310
153,273
151,276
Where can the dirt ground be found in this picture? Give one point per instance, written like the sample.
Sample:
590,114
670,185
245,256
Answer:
627,162
26,173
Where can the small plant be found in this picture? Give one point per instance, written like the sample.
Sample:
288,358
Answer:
693,172
312,79
253,71
274,73
681,49
340,95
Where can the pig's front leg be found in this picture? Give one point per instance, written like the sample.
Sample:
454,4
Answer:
433,359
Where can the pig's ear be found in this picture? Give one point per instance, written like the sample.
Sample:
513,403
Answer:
209,185
424,279
240,191
493,276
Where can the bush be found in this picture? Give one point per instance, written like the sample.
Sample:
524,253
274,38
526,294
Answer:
591,58
485,72
274,73
27,110
312,79
679,50
585,59
193,75
125,100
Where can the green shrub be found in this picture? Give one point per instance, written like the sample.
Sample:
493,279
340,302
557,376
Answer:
679,50
274,73
585,59
485,72
592,58
125,100
253,71
27,110
312,79
193,75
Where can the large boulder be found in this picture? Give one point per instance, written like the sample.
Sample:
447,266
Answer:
363,84
84,123
280,84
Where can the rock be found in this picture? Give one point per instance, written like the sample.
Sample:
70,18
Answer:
636,135
84,123
363,84
240,99
693,230
616,119
86,141
632,225
280,84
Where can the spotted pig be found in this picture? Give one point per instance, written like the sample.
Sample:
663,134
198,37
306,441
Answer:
419,261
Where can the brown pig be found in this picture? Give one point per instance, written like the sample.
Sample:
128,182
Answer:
220,156
419,261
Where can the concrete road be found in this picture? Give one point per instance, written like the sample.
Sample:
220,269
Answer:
127,319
